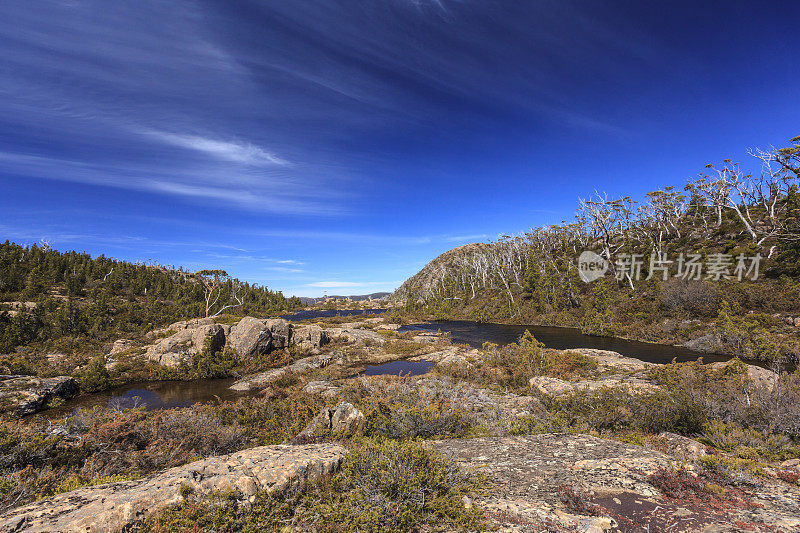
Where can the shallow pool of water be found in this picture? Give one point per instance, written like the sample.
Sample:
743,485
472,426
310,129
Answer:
153,395
326,313
476,333
398,368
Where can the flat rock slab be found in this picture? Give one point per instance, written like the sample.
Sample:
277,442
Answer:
111,506
526,475
264,379
526,472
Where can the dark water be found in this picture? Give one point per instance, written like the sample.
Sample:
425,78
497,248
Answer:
326,313
397,368
475,334
169,394
153,395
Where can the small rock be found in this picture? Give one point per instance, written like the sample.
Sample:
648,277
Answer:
683,446
345,418
121,345
791,463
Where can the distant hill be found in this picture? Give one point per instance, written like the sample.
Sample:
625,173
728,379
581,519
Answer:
356,298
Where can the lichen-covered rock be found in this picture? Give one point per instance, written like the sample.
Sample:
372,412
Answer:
112,506
759,377
250,337
529,477
607,359
121,345
345,418
355,335
281,332
792,464
263,379
309,337
549,385
190,339
558,387
24,395
684,447
321,387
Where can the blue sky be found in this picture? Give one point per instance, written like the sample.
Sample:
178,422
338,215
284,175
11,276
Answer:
338,146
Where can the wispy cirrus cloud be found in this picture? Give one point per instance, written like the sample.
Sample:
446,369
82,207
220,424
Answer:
230,185
372,238
237,152
349,284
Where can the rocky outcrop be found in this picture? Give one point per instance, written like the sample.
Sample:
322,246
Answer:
309,337
758,377
355,335
24,395
707,343
607,359
536,480
112,506
558,387
342,419
121,345
263,379
190,338
280,331
683,447
452,356
250,337
431,275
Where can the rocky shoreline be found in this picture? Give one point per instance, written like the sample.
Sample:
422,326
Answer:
543,481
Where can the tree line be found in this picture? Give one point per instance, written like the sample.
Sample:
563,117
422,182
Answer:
724,209
51,295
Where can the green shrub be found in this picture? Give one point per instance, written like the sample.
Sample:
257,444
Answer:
611,409
215,365
399,486
95,377
286,380
398,421
529,425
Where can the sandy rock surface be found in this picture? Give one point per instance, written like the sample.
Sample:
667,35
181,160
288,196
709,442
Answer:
528,476
111,506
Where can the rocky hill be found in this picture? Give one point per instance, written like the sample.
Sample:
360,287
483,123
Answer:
717,262
423,284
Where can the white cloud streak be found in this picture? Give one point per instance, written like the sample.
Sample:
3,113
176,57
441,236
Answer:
349,284
236,152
